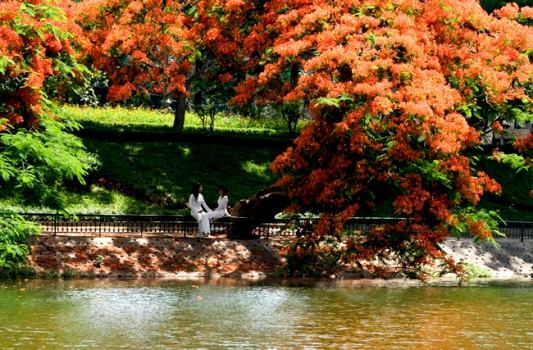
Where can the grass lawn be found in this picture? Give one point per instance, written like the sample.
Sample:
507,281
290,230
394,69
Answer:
157,177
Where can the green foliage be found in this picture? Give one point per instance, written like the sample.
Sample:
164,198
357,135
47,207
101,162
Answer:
50,274
19,271
209,91
156,177
69,274
473,271
99,260
207,113
37,152
190,267
14,231
291,113
491,218
34,163
491,5
119,115
507,212
515,161
162,173
31,272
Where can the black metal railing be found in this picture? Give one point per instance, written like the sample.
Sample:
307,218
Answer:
511,229
109,224
517,229
116,224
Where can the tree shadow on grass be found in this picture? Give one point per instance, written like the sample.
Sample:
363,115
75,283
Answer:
162,173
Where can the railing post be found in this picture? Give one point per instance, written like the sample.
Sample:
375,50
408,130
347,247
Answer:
522,233
55,224
100,227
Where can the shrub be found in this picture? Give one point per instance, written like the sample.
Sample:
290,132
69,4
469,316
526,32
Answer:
14,231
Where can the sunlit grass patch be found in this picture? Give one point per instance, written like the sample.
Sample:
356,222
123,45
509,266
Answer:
137,117
119,115
260,170
473,271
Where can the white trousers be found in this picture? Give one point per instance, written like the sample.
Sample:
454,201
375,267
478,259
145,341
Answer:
216,214
203,223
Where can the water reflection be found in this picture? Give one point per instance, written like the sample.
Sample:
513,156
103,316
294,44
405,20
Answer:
280,314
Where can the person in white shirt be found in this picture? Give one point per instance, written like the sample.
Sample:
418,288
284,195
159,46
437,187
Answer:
199,210
221,210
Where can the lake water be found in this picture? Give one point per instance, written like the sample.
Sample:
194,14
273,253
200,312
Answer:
277,314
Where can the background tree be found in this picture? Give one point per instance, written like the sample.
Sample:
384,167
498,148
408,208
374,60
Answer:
158,47
143,47
212,89
37,153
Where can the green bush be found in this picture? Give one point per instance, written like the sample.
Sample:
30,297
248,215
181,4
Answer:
14,231
473,271
19,271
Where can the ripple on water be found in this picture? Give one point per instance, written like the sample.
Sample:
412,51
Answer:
280,315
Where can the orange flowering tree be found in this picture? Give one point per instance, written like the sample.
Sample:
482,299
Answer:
37,60
37,63
142,46
155,47
172,48
395,89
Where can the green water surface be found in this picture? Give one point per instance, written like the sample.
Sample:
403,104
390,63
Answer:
279,314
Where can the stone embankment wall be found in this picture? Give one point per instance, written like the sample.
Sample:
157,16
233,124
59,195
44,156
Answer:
157,257
220,257
512,258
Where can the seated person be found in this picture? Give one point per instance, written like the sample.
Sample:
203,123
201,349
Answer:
220,210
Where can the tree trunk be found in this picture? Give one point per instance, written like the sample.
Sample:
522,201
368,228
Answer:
197,101
261,207
179,113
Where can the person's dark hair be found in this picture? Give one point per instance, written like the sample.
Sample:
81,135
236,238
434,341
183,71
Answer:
196,190
224,190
